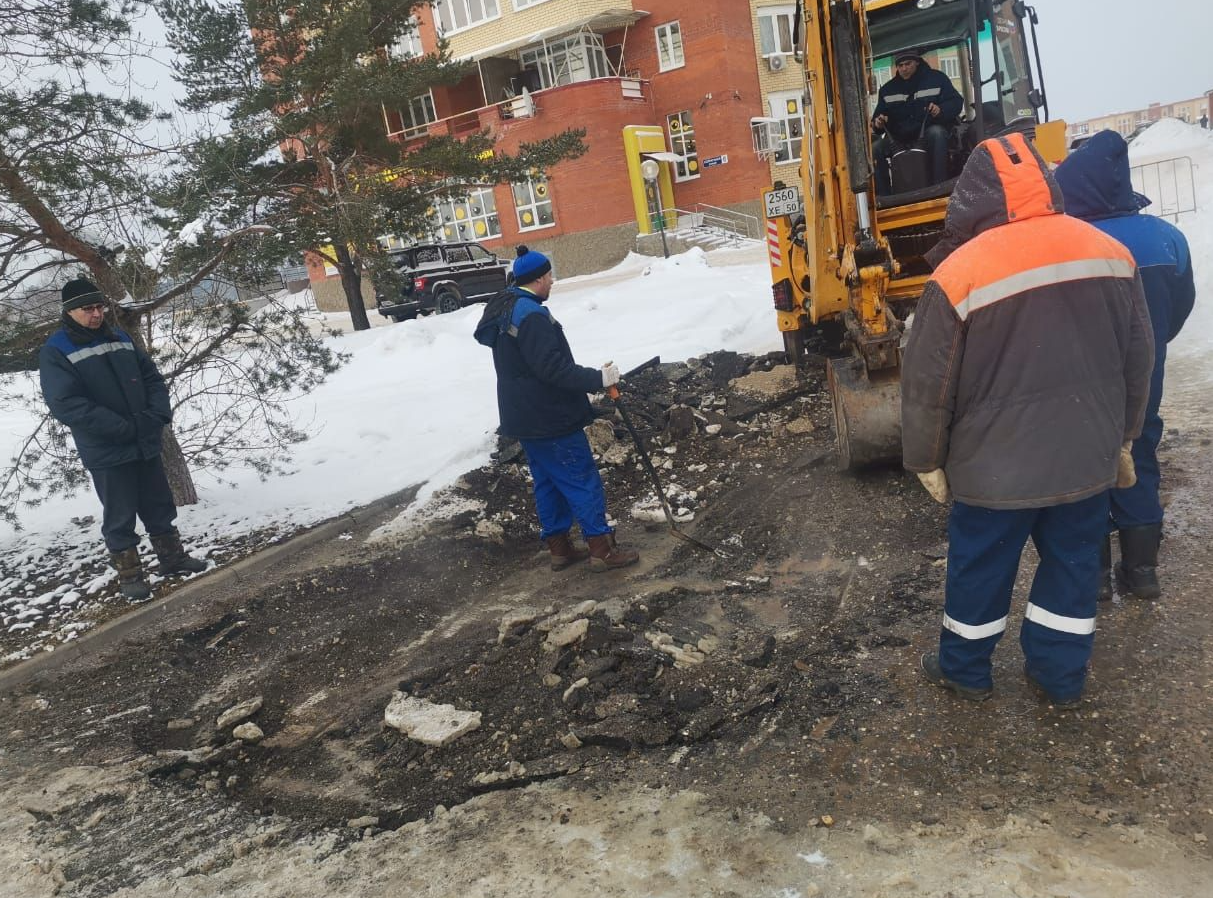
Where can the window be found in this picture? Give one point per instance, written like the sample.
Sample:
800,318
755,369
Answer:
418,114
669,47
390,242
523,4
455,15
682,142
788,108
882,75
408,45
950,66
533,202
472,218
578,58
775,29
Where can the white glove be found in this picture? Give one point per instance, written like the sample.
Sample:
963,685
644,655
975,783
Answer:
610,375
936,483
1126,471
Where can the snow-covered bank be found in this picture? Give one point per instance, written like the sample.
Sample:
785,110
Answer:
416,404
1188,366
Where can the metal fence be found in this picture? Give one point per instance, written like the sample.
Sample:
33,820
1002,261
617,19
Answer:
1169,183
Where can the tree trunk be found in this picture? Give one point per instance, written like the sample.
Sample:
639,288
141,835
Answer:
176,468
351,283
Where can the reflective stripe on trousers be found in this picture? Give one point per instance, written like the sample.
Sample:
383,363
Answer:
1059,622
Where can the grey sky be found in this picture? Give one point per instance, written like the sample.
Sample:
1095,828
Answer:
1104,56
1099,56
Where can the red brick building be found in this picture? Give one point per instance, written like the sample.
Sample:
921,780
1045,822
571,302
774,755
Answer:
682,78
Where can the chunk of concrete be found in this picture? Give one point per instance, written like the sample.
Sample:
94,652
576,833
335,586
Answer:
248,732
426,722
566,635
238,713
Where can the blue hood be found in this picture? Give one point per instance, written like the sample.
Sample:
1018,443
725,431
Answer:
1095,181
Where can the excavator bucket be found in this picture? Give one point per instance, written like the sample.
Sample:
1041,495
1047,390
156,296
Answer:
867,413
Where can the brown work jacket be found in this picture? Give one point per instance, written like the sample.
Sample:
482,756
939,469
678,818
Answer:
1029,356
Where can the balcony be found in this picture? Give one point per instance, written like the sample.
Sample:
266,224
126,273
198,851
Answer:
580,102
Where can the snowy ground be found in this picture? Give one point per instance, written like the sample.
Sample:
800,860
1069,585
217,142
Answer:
416,403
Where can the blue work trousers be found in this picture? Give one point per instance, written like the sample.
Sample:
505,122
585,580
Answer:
1058,631
1138,505
567,485
137,488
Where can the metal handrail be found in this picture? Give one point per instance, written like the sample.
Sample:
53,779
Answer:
727,223
730,214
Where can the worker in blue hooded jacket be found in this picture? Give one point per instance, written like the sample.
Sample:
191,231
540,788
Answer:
541,397
1096,185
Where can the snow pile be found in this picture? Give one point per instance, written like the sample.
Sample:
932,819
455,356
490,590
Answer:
1170,137
416,405
1189,371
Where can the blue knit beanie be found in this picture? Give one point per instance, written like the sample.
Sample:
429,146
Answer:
530,266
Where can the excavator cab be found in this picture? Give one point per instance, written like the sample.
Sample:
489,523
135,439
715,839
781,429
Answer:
853,258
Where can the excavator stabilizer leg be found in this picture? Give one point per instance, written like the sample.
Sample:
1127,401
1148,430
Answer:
867,413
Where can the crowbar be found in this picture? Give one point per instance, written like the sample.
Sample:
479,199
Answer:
613,393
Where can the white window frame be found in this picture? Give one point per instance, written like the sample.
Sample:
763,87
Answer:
536,200
778,103
408,45
675,57
580,57
479,206
950,66
520,5
774,14
410,124
454,16
682,142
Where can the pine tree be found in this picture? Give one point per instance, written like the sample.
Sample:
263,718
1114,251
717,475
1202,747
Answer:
79,167
304,84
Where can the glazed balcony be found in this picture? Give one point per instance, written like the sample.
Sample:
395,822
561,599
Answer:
529,116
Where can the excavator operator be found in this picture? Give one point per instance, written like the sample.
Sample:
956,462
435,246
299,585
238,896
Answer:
918,103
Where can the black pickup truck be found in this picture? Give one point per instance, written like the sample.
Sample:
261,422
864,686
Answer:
441,277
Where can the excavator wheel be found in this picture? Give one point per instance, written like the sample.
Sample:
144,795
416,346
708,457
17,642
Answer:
867,413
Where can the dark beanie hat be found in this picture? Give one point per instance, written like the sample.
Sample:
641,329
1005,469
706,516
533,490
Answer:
80,292
530,266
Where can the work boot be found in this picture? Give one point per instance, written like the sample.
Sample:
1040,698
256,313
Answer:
605,554
564,553
933,672
1105,569
172,555
130,574
1137,572
1060,704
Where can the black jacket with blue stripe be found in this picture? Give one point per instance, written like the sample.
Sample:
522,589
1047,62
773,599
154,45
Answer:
107,391
541,390
905,102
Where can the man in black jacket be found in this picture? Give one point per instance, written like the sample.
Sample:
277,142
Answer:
109,393
916,95
541,396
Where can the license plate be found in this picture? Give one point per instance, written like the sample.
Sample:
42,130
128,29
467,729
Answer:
785,201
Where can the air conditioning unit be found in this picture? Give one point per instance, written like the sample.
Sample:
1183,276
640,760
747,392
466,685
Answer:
777,62
767,134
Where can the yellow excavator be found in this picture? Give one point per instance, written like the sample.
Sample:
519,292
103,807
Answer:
846,260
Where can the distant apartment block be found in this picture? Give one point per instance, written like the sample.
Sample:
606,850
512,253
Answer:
1191,111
